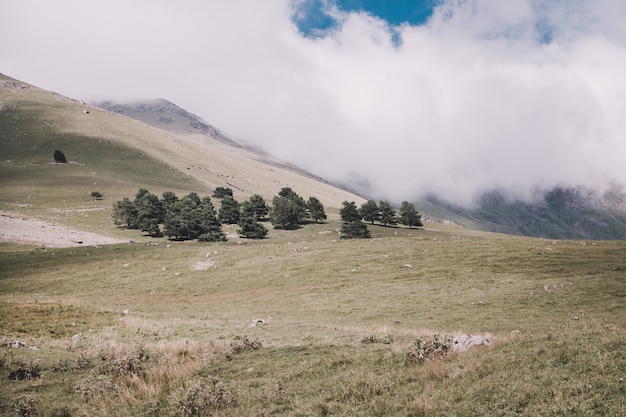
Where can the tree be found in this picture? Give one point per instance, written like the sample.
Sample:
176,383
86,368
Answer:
258,206
193,218
387,214
150,212
352,227
209,227
409,216
125,213
354,230
179,220
298,202
370,211
59,157
220,192
229,210
349,213
249,226
316,209
169,199
285,213
97,195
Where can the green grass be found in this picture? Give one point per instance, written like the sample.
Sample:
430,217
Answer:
340,315
321,297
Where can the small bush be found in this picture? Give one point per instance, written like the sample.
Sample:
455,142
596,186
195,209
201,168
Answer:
24,405
437,347
372,338
201,399
100,386
59,157
62,366
20,370
240,344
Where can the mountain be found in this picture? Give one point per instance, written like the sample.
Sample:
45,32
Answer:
165,115
561,213
116,155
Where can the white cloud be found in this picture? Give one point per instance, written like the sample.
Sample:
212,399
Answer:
475,99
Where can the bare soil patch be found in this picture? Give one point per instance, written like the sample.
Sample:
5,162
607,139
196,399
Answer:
17,229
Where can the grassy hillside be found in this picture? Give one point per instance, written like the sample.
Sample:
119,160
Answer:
299,324
115,156
339,319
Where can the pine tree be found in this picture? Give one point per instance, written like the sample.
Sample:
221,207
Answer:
349,213
125,213
249,226
209,228
388,214
258,206
229,210
221,192
354,230
150,212
370,211
352,226
285,213
316,209
409,216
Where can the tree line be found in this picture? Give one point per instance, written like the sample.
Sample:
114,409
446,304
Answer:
195,217
384,213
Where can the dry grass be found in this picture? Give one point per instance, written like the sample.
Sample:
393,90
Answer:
159,337
554,309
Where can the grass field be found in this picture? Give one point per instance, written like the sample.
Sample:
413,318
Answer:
161,328
339,319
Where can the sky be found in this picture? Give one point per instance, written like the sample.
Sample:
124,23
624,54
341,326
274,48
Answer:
451,97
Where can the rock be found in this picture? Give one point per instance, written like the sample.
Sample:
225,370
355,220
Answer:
17,344
256,322
466,342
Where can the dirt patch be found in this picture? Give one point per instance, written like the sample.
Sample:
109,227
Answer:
15,228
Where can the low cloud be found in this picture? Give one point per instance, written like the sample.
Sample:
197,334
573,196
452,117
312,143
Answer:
520,97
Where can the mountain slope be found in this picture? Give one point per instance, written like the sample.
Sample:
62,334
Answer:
561,213
116,155
165,115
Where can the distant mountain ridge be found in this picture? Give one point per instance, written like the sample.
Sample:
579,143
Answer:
166,115
561,213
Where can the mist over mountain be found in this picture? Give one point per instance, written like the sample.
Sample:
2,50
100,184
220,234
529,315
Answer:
558,213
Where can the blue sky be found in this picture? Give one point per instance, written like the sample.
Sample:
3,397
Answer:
467,96
315,18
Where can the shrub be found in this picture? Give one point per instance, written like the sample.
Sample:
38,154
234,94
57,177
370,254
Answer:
97,195
59,157
437,347
24,405
240,344
372,338
19,370
96,387
201,399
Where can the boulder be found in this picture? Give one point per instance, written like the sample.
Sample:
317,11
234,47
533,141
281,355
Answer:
466,342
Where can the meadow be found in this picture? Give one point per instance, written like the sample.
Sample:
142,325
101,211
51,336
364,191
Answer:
336,319
302,323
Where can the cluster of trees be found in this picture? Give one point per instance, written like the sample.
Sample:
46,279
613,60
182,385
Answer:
383,213
192,217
